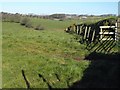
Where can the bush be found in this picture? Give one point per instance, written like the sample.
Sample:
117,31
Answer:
17,18
29,24
39,27
24,21
11,17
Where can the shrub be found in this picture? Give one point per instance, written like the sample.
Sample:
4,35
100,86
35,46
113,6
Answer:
17,18
39,27
24,21
29,24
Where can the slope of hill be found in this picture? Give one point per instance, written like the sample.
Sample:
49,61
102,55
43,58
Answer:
40,52
53,57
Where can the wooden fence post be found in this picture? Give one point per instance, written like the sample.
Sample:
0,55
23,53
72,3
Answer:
116,26
93,35
81,29
88,32
85,32
78,29
101,34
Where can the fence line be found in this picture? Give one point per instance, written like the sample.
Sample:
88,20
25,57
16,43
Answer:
106,36
90,33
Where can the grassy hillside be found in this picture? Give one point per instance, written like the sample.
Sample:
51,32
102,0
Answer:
40,52
55,55
60,25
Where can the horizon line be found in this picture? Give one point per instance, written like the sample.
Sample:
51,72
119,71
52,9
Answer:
57,13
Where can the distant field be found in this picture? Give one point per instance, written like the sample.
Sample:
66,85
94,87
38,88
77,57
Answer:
61,25
48,52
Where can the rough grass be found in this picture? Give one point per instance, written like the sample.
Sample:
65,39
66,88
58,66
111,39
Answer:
40,52
50,52
61,25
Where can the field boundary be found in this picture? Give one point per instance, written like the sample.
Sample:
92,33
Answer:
105,37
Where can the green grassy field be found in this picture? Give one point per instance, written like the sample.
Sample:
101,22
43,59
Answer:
49,24
47,52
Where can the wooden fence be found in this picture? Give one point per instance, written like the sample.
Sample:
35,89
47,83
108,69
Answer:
92,32
99,38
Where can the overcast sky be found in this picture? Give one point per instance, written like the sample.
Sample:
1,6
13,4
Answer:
94,8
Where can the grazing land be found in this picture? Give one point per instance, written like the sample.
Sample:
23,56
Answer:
54,54
46,52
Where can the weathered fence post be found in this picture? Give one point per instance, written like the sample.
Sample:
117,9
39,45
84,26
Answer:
100,33
75,27
93,35
78,29
116,26
88,32
81,29
85,33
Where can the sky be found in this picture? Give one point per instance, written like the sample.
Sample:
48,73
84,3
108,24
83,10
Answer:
47,8
59,0
119,8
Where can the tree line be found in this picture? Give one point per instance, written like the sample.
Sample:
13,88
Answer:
24,20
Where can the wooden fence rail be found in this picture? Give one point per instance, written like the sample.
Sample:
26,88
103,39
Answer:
93,32
98,37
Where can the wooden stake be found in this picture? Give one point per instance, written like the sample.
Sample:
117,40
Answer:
116,26
88,32
85,32
81,29
93,35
